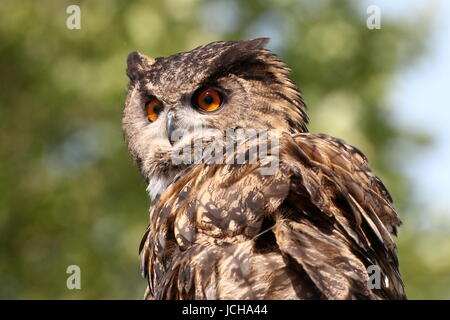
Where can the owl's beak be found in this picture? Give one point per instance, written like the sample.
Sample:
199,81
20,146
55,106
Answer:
170,126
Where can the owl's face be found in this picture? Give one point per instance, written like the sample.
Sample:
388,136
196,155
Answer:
220,86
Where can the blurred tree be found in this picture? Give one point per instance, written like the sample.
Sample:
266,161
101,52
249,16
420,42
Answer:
69,193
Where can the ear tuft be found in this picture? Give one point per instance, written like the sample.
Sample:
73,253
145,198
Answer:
254,44
241,51
137,64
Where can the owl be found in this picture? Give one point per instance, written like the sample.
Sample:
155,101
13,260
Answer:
246,203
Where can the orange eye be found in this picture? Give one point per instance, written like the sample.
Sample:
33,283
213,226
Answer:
209,100
153,108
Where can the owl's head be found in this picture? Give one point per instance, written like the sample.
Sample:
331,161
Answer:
222,86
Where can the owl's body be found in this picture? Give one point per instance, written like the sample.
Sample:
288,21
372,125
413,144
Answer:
310,228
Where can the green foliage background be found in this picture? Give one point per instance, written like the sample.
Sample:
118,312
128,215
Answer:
69,193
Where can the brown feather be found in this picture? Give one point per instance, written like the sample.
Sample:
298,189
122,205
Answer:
331,218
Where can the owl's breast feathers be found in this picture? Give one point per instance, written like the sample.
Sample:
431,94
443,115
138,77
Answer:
309,231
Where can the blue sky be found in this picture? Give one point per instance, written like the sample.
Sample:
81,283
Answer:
421,99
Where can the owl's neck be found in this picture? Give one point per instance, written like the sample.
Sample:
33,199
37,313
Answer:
158,184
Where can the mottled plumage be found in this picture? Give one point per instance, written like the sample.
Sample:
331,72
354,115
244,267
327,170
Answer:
309,230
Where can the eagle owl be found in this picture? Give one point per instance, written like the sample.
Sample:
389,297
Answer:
311,227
